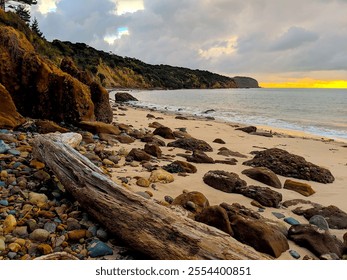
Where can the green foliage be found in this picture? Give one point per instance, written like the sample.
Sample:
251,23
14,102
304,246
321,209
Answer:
23,12
35,28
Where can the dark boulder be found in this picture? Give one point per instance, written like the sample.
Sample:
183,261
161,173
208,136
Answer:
138,155
283,163
99,127
191,144
180,167
264,175
228,153
124,97
264,195
153,140
247,129
153,150
318,241
164,132
199,157
224,181
44,127
200,201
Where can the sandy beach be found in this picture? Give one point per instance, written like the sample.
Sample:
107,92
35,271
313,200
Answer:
322,152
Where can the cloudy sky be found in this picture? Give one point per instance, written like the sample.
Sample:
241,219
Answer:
274,41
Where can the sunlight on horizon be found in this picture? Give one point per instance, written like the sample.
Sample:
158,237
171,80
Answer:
306,83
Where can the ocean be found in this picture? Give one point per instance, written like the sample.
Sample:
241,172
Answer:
322,112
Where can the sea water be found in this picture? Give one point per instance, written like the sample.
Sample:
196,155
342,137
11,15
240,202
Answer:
321,112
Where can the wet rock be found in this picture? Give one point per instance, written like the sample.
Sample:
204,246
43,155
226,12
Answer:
219,141
180,167
318,241
124,97
294,254
248,129
199,157
153,150
164,132
99,127
44,127
181,134
278,215
161,176
319,221
336,218
264,195
4,202
283,163
101,234
224,181
168,199
138,155
291,221
142,182
302,188
200,201
99,249
9,224
228,153
153,140
40,235
264,175
191,144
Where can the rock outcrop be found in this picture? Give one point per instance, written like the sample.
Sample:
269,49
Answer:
264,175
246,82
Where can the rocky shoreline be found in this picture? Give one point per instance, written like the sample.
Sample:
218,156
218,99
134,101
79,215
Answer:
38,217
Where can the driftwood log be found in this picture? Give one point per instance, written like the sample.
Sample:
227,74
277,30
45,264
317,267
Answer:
144,225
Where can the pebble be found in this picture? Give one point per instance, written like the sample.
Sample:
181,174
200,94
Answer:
294,254
45,249
291,221
168,199
21,231
278,215
37,164
4,147
12,255
2,184
319,221
50,227
9,224
99,249
93,230
142,182
14,152
101,234
77,234
72,224
2,245
42,175
4,202
38,199
40,235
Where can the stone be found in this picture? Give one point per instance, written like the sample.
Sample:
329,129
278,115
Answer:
199,157
330,257
264,195
155,125
153,140
247,129
99,249
180,167
168,199
164,132
144,195
291,221
319,242
219,141
264,175
14,152
99,127
101,234
70,138
302,188
72,224
294,254
261,236
336,218
42,175
278,215
21,231
50,227
191,144
345,239
289,165
200,201
38,199
153,150
14,247
40,235
4,147
228,153
142,182
224,181
161,176
44,127
215,216
37,164
77,234
12,255
45,249
124,97
4,202
2,245
319,221
138,155
9,224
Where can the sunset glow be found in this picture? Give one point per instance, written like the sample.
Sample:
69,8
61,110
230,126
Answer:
306,83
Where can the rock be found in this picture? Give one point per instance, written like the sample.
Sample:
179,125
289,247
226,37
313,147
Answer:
142,182
259,235
2,245
9,224
215,216
200,201
294,254
99,249
291,221
124,139
50,227
72,224
319,221
124,97
38,199
330,257
345,239
37,164
144,195
264,195
191,144
153,150
180,167
153,140
199,157
181,134
164,132
45,249
138,155
9,117
264,175
318,241
278,215
77,234
42,175
224,181
168,199
219,141
283,163
72,139
101,234
161,176
4,147
44,127
228,153
21,231
302,188
248,129
14,247
336,218
3,202
40,235
99,127
245,82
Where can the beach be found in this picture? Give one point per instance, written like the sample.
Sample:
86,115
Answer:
320,151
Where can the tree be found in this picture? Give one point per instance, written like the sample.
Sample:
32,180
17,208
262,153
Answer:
35,28
13,4
23,12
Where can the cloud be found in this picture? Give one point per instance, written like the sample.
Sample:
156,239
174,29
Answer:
259,38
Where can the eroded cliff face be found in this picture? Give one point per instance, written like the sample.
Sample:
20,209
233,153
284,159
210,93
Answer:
246,82
39,89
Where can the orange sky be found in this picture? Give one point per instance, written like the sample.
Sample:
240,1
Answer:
306,83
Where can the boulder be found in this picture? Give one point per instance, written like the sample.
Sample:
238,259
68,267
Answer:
247,129
138,155
283,163
199,157
302,188
38,88
99,127
45,126
164,132
224,181
228,153
161,176
124,97
264,195
264,175
319,242
259,235
219,141
153,140
191,144
215,216
200,201
153,150
336,218
180,167
9,117
319,221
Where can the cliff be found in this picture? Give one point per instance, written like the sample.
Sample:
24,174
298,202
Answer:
246,82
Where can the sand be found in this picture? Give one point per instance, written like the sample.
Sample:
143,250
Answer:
320,151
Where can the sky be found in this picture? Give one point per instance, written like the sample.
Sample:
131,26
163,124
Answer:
281,43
